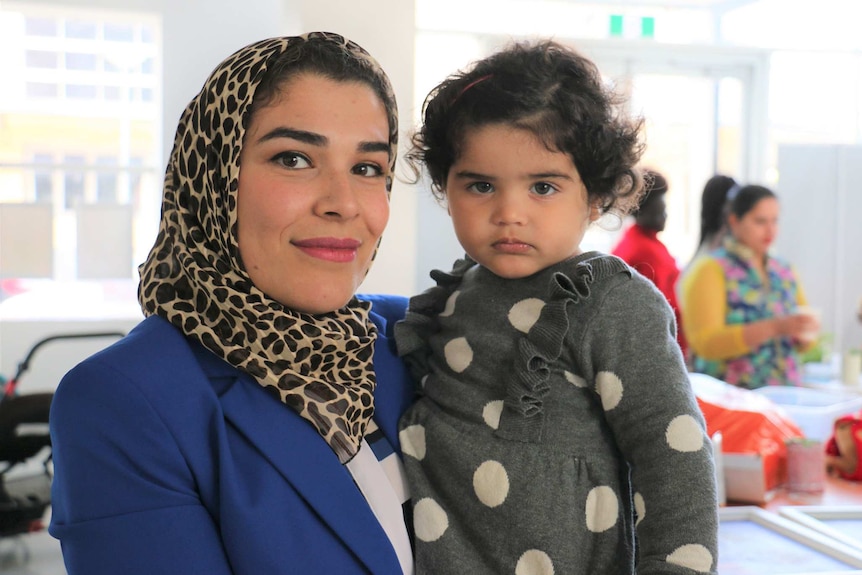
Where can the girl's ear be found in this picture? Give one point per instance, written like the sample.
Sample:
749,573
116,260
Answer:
595,210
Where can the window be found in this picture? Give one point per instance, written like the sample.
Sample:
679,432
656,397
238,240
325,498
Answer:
81,158
83,30
42,178
106,180
81,92
42,90
35,26
73,182
76,61
41,59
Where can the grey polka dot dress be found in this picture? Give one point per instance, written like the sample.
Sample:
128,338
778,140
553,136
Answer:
556,430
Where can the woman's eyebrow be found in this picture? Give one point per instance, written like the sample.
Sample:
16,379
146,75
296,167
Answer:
316,139
374,147
299,135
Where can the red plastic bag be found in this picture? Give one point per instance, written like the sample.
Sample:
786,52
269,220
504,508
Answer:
748,422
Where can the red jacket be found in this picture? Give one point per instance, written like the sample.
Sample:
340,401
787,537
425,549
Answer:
641,249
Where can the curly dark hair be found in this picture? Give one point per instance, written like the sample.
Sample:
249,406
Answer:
550,90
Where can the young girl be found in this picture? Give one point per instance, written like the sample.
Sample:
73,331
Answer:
556,430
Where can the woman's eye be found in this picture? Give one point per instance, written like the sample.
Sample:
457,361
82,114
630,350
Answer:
292,160
543,189
481,187
368,170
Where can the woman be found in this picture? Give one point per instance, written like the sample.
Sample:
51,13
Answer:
231,431
741,306
641,248
713,213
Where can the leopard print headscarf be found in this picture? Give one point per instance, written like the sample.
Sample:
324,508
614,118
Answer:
319,365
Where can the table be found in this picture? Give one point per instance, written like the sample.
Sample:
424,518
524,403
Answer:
786,535
837,492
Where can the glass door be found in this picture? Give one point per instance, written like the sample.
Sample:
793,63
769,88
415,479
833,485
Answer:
704,112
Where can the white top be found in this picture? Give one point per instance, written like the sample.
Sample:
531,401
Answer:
383,485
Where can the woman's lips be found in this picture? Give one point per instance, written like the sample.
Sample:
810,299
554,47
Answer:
330,249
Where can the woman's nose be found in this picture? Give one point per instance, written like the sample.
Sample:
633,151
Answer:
338,197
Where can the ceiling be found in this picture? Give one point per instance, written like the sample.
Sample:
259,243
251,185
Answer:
720,5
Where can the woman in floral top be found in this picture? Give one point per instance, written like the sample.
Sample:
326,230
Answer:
742,307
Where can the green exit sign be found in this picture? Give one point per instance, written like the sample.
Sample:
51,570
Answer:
647,27
618,26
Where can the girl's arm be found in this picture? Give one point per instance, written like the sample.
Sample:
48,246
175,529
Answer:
650,408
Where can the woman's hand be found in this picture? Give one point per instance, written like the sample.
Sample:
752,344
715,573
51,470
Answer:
801,326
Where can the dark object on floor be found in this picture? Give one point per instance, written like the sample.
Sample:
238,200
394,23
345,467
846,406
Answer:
25,443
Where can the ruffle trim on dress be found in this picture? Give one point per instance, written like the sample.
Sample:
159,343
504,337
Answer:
421,319
523,416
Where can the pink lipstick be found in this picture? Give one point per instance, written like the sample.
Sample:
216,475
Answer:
338,250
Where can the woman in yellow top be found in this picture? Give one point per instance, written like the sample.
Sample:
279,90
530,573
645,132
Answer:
741,306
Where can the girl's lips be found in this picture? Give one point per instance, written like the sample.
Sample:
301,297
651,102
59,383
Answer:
512,246
339,250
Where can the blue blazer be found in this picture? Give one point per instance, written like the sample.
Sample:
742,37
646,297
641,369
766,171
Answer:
168,460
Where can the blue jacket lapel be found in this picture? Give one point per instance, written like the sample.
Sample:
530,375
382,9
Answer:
307,463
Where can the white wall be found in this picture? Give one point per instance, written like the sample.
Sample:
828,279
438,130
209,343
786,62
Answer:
820,232
386,28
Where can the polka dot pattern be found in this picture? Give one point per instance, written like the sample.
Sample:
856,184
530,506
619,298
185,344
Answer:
609,388
491,483
480,345
413,441
449,308
696,557
491,413
684,434
602,509
640,507
534,562
575,380
459,354
430,521
524,314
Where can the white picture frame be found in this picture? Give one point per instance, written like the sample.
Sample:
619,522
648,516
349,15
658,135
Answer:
753,541
827,519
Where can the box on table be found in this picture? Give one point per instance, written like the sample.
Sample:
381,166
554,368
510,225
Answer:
752,463
753,477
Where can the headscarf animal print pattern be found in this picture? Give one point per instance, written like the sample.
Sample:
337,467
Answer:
319,365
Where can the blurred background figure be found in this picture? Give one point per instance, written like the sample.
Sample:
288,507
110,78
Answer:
713,213
744,310
641,248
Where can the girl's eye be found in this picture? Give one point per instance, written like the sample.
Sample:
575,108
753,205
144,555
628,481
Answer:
481,187
544,189
368,170
292,160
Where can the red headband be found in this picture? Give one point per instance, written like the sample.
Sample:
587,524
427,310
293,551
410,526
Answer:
470,85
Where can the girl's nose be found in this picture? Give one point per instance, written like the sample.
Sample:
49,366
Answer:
508,210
